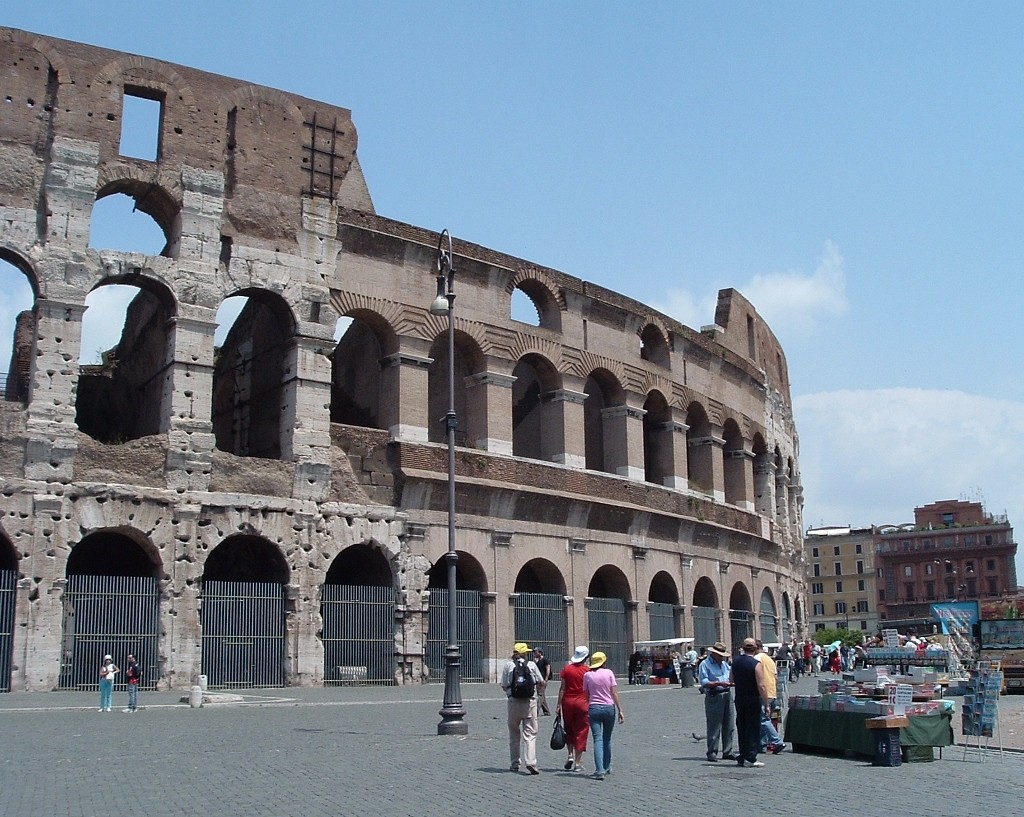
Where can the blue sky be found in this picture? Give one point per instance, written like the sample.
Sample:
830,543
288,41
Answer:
856,170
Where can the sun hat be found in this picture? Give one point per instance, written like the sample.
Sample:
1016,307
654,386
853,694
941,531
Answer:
597,660
520,647
107,658
579,655
719,649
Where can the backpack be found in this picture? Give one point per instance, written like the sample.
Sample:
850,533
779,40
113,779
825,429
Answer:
522,685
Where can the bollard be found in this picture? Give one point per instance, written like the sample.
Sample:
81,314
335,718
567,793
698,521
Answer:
202,682
195,697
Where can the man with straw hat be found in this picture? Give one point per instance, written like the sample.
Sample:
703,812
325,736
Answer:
521,679
713,677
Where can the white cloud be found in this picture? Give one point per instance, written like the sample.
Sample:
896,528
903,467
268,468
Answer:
792,299
870,457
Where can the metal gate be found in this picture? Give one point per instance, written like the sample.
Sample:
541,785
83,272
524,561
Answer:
662,619
7,592
769,628
243,634
609,631
740,627
469,634
541,622
705,626
109,614
359,634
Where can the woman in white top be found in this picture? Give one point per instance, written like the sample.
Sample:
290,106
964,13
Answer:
108,671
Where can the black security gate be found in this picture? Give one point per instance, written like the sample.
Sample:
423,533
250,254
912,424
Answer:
705,626
469,634
541,622
609,631
359,634
243,634
7,595
662,620
741,626
109,614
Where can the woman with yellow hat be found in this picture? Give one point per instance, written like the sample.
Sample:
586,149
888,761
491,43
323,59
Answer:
600,686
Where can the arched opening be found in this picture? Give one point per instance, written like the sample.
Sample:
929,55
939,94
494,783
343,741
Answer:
706,619
741,615
250,368
468,361
735,464
17,327
764,484
357,605
699,449
126,343
608,621
654,347
540,613
658,459
769,620
533,303
132,216
356,371
536,421
111,604
470,583
662,604
243,615
604,428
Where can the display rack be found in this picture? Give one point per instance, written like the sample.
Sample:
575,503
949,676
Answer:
980,710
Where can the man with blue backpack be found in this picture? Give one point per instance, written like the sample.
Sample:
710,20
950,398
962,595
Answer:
521,679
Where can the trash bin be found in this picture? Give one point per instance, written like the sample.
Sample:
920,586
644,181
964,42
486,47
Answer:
887,747
688,679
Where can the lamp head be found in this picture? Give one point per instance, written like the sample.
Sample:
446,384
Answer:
440,304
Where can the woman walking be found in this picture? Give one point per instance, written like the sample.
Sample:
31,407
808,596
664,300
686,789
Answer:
600,686
572,706
108,669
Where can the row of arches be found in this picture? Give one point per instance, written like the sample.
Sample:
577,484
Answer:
115,590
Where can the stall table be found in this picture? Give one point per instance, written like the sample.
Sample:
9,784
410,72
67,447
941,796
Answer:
809,729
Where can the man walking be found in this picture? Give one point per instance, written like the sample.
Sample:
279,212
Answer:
521,679
713,676
751,700
769,739
544,666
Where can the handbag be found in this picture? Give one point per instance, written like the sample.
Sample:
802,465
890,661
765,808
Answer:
558,734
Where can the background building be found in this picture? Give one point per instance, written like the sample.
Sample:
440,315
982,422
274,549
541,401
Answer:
953,551
841,578
272,509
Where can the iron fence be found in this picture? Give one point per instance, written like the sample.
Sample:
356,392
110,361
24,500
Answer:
469,634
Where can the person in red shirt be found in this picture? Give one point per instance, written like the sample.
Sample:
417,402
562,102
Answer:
573,706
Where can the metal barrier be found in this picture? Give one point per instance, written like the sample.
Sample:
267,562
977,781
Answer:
609,632
109,614
705,626
8,589
243,634
541,621
661,618
359,631
469,634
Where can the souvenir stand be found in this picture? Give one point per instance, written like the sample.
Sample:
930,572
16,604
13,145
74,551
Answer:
980,712
657,658
837,718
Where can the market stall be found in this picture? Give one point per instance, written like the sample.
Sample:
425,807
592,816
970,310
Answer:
659,659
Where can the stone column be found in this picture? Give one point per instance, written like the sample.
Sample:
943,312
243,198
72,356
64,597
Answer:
180,650
404,403
189,395
489,410
624,441
739,477
305,414
565,420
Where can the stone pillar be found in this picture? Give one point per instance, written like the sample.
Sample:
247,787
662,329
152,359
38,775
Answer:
708,452
179,650
566,422
404,403
739,477
489,410
306,415
189,396
624,441
675,437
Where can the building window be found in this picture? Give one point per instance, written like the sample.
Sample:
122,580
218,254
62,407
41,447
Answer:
908,570
951,589
835,550
819,627
948,518
968,540
879,572
969,566
840,607
141,117
860,584
839,568
818,588
839,587
862,606
859,549
992,586
929,590
816,570
908,591
881,595
860,565
814,553
927,543
990,564
819,609
950,567
929,568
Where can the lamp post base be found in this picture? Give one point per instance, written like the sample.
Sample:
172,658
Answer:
452,713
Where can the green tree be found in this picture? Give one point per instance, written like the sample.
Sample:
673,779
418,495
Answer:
849,638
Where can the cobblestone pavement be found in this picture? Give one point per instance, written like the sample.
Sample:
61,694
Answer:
369,750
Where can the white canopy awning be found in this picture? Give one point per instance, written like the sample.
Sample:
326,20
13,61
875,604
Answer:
664,642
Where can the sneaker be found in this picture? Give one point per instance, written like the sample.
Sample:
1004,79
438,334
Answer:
568,765
126,710
712,758
756,764
535,770
514,767
577,768
777,750
598,776
728,756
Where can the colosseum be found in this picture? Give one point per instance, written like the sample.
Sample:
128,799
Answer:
272,508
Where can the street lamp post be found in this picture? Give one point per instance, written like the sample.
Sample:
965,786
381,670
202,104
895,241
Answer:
452,712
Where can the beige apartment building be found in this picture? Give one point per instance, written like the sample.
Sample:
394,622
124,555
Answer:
841,578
